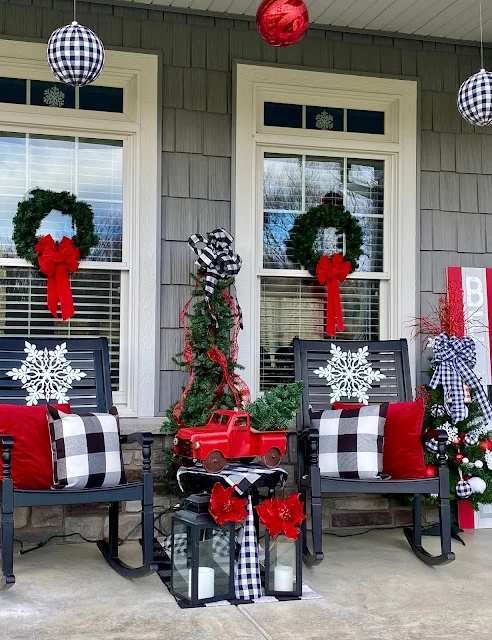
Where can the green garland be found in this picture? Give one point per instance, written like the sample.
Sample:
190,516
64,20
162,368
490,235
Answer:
305,230
32,211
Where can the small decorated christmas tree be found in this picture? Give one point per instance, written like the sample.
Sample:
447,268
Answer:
456,402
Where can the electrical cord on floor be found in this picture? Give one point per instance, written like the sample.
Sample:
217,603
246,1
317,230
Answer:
361,533
63,536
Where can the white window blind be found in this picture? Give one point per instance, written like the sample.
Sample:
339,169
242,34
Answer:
92,170
296,306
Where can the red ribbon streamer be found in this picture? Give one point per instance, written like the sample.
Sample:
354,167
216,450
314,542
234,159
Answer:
333,272
56,261
238,387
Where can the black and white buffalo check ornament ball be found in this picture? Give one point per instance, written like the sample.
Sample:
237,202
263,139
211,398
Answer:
75,54
475,99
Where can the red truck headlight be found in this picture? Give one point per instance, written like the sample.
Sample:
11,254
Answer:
175,442
196,445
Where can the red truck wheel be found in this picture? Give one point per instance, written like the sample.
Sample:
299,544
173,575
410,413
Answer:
272,458
214,462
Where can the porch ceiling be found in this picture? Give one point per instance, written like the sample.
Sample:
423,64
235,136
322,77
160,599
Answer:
450,19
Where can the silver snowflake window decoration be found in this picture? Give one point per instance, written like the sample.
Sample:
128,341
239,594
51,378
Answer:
54,97
349,374
324,120
46,374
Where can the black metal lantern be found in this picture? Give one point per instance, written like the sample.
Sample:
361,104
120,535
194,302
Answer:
202,559
283,565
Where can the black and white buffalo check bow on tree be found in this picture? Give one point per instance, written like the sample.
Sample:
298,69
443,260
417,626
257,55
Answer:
453,363
216,259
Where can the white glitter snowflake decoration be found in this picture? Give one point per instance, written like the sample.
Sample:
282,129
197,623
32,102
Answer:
451,431
54,97
46,375
324,120
349,374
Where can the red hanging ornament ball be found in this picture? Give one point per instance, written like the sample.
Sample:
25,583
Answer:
430,471
282,23
459,457
486,445
457,441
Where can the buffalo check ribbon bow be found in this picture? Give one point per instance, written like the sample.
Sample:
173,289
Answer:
216,258
333,272
453,362
56,261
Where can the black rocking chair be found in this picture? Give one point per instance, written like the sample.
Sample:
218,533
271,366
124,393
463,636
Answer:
391,357
91,394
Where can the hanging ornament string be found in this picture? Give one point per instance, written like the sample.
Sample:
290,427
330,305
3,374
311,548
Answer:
481,34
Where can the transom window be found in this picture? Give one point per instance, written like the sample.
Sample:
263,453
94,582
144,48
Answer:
42,93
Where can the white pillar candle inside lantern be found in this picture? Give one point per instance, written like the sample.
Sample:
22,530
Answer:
283,578
206,587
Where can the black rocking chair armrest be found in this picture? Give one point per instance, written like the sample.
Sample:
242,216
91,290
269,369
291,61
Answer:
7,446
145,439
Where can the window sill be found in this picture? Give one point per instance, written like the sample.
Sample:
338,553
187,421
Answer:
132,425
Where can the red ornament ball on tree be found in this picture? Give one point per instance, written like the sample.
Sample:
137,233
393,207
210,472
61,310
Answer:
459,457
486,445
282,23
430,471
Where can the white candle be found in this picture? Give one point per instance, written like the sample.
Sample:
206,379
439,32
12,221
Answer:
284,578
206,586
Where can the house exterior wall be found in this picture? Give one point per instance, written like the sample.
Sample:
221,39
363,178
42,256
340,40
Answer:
197,57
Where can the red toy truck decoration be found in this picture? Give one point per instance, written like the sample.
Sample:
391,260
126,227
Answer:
228,436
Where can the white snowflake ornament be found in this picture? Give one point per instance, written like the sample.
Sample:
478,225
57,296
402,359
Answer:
324,120
54,97
46,375
349,374
451,431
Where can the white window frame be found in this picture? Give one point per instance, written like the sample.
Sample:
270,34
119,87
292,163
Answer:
138,128
255,84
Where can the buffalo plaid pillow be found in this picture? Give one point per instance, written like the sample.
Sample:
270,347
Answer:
351,441
86,450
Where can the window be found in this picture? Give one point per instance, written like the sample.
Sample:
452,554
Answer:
110,161
61,95
304,155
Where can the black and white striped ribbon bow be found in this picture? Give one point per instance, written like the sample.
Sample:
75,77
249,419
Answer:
454,359
216,258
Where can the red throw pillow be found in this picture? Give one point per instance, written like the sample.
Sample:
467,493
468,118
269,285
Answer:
32,465
403,454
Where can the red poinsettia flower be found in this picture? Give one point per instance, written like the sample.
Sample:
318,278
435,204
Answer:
282,516
224,508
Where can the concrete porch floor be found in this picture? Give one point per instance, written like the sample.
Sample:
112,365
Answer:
373,589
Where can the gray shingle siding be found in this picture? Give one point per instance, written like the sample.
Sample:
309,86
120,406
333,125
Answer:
197,54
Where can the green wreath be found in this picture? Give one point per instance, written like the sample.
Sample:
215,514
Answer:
32,211
306,228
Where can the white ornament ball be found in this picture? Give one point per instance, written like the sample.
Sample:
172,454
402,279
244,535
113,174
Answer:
477,484
465,461
75,54
478,464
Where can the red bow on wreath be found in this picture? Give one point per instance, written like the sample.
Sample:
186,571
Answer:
333,272
56,261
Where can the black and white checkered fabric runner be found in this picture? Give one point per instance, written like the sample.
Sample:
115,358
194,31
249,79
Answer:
454,359
216,258
75,54
247,581
475,99
243,477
